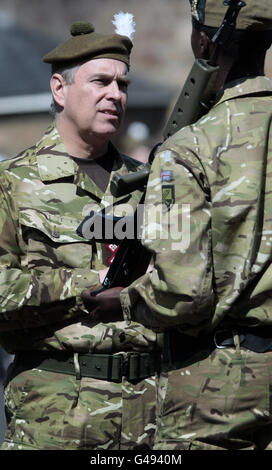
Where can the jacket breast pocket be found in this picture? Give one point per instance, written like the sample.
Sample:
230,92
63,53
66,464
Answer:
50,240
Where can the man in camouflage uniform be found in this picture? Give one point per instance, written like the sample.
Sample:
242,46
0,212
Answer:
68,387
210,290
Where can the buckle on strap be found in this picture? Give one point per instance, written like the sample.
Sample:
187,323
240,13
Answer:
226,338
111,367
220,342
135,366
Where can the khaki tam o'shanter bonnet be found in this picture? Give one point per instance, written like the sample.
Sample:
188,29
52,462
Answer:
85,43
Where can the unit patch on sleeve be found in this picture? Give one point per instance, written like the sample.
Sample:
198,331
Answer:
166,175
168,195
108,252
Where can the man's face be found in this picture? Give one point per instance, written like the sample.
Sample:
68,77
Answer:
94,104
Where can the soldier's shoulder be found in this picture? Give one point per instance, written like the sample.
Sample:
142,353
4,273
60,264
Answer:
25,158
200,134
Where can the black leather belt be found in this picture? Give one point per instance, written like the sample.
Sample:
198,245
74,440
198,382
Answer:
179,347
255,339
111,367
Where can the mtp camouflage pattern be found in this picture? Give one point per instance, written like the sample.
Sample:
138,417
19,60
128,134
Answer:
218,403
52,411
220,173
44,266
254,16
216,175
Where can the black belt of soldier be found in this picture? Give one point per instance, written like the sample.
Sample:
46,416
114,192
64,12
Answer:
180,347
111,367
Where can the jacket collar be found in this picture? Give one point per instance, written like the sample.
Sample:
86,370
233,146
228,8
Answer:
54,163
52,158
244,87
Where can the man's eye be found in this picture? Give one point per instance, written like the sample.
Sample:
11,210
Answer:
99,81
123,86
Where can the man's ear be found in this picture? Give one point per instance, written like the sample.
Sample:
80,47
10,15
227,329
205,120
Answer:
57,84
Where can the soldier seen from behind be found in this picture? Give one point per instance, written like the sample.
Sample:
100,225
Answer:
209,293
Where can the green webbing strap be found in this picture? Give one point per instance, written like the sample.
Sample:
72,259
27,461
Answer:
111,367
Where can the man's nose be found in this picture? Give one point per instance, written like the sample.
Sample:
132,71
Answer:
114,91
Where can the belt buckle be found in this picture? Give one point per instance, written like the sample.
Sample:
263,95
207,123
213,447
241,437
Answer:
130,365
125,365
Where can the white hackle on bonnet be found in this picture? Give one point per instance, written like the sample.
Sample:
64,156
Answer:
124,24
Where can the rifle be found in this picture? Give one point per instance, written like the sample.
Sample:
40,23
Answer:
130,252
195,100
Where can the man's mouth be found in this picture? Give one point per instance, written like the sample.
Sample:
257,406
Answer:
111,112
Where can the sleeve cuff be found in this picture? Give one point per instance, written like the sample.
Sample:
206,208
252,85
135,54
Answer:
81,280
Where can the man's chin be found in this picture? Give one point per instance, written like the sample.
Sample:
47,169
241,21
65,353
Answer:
108,131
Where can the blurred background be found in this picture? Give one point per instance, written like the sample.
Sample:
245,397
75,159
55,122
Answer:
161,59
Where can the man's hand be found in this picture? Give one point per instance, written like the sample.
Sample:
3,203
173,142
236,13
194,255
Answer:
105,306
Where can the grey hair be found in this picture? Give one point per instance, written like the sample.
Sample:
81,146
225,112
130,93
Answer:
68,73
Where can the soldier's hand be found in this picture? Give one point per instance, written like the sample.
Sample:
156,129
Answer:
105,306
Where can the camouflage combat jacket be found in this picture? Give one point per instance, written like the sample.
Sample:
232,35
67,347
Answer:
215,179
44,263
